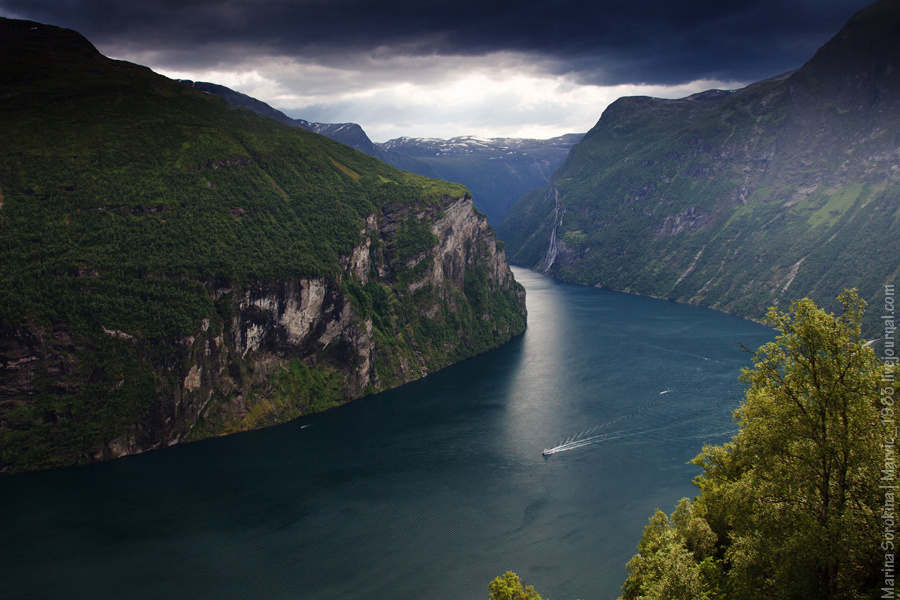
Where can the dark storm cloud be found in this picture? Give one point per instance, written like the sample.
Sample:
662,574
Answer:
599,41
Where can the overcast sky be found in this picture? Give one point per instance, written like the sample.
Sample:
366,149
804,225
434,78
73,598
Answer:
441,68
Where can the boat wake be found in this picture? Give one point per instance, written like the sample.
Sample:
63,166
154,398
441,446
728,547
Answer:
584,439
636,422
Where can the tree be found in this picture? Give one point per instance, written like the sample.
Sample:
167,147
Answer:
510,587
792,499
672,558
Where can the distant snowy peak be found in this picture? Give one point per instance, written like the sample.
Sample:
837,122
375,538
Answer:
470,144
335,128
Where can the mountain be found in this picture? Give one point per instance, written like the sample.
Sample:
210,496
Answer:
174,268
741,199
498,171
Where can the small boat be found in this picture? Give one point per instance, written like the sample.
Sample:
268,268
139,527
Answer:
547,452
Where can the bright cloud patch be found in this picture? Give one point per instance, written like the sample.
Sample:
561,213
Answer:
498,95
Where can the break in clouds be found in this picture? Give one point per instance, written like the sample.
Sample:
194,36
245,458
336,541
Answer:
498,95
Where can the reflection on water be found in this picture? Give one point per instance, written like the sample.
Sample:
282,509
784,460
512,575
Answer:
427,491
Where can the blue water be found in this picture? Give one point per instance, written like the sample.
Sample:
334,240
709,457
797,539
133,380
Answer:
428,491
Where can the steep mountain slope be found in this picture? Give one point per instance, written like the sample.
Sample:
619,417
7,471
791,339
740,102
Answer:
737,200
172,267
498,171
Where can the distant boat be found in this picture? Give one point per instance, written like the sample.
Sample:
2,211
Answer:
547,452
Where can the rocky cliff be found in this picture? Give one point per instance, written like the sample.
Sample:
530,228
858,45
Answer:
172,268
278,349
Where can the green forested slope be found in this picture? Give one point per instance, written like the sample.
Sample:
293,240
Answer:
111,170
134,213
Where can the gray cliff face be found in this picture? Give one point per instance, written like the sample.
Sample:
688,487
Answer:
281,349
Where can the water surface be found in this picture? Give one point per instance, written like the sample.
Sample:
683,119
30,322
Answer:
428,491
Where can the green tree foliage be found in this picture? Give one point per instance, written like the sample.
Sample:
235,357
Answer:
414,237
510,587
673,555
788,507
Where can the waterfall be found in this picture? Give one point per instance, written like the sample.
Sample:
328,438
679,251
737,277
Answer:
550,257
